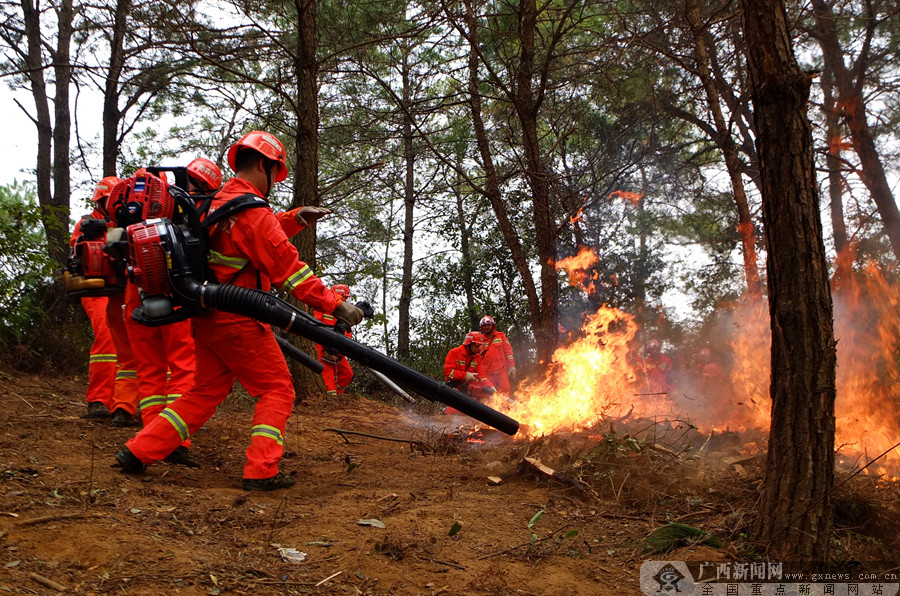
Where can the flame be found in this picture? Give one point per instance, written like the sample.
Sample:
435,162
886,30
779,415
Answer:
588,380
577,218
633,197
578,267
598,375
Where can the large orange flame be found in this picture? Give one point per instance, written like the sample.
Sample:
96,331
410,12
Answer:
599,375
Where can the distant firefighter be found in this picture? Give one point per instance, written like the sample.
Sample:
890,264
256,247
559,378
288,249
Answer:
499,363
656,366
464,369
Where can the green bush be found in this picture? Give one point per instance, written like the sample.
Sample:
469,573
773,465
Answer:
38,325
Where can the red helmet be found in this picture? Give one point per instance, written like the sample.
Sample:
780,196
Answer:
266,144
474,337
104,187
342,290
653,344
487,321
204,174
704,353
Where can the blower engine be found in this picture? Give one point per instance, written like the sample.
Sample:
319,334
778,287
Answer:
168,263
97,263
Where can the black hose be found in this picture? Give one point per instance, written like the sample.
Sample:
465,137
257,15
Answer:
266,308
299,355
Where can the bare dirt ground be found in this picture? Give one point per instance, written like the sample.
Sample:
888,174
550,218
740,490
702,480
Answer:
70,520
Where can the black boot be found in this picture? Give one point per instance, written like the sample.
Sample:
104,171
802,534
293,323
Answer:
95,409
182,457
279,480
121,418
129,462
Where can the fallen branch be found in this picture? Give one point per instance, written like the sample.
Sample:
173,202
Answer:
440,562
47,583
551,473
343,432
49,518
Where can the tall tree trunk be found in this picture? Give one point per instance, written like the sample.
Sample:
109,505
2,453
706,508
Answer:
853,107
527,106
833,161
468,270
306,159
492,184
35,70
409,204
796,508
62,131
111,113
729,151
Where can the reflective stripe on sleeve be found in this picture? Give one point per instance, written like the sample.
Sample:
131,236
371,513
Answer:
297,278
217,258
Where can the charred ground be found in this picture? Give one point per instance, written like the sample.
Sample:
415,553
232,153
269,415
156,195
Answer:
68,516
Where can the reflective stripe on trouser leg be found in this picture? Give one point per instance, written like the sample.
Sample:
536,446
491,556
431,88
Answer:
102,365
159,438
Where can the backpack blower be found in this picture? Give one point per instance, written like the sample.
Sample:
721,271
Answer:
169,264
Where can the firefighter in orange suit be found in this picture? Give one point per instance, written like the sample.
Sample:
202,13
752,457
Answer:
337,373
464,370
125,396
165,355
249,249
499,363
102,363
656,367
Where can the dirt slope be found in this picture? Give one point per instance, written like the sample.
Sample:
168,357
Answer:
69,517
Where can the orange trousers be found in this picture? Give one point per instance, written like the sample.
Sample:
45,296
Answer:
126,392
164,357
228,348
336,375
500,380
102,364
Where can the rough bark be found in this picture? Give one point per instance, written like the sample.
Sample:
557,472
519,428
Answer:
796,508
111,113
729,151
35,71
409,204
491,182
527,104
853,108
62,132
306,158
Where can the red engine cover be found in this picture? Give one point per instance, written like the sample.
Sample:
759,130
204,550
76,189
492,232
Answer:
148,259
95,262
143,196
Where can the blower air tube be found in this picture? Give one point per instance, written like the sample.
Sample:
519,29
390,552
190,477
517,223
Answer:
266,308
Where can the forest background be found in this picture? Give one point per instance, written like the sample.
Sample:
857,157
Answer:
468,150
463,154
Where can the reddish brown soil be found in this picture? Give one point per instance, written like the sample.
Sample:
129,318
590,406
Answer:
68,516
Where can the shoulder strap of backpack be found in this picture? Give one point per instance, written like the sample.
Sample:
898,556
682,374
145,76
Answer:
235,205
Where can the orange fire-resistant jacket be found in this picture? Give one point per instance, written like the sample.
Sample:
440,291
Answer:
460,361
260,244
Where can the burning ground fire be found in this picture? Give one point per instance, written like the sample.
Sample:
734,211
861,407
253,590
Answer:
599,375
